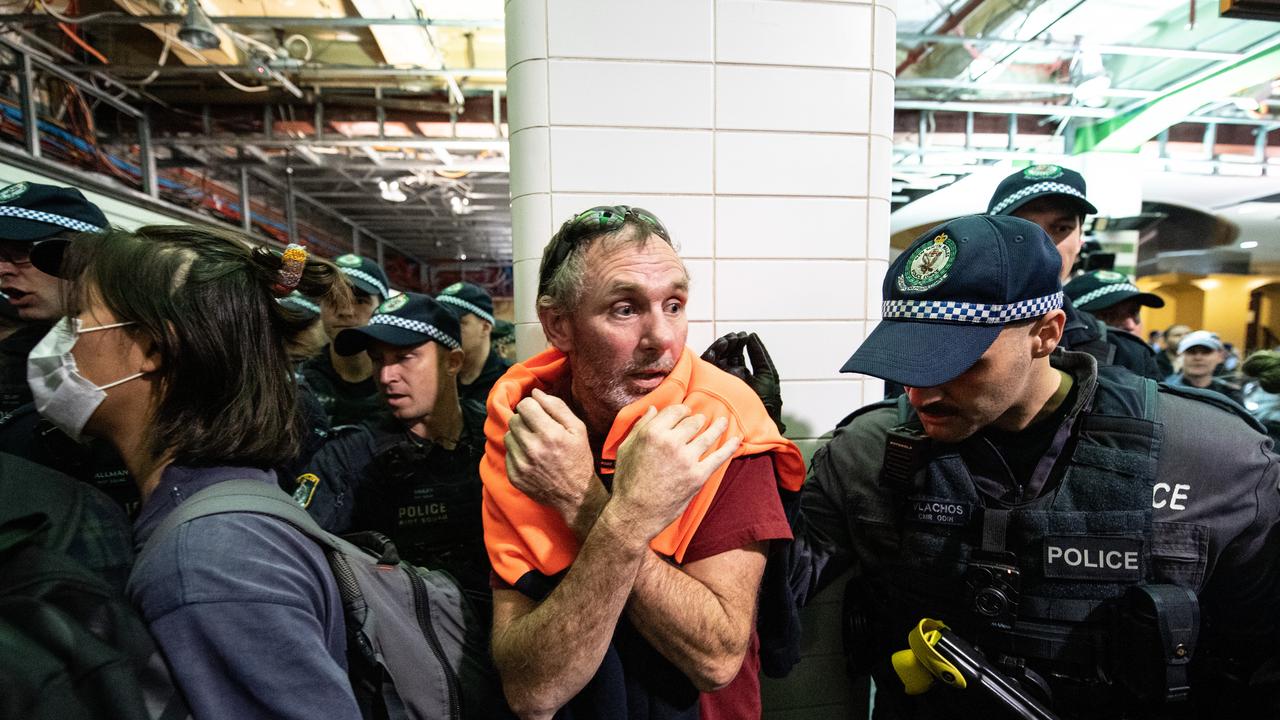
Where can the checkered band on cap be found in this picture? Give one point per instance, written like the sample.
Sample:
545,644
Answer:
48,218
469,307
417,326
1092,295
1037,189
966,312
362,275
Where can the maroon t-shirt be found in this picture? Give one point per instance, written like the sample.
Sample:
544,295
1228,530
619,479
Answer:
745,510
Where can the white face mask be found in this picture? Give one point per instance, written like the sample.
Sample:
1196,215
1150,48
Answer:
62,395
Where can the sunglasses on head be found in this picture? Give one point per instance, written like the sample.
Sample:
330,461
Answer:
589,224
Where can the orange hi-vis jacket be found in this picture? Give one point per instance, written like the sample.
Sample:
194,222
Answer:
523,536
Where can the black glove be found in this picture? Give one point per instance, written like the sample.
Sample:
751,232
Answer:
726,354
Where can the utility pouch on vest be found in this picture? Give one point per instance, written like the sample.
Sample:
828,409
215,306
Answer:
905,451
1159,626
855,629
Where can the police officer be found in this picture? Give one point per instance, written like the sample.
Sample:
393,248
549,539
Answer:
31,213
36,221
1042,505
1053,197
481,366
415,476
1112,298
344,385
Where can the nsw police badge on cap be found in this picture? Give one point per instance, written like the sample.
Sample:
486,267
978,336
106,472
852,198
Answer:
393,304
928,265
1109,276
453,289
348,260
12,191
1042,172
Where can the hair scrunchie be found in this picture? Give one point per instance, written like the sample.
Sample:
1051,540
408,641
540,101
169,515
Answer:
291,263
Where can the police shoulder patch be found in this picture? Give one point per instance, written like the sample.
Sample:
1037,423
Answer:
928,264
1042,172
12,191
453,289
348,260
306,490
393,304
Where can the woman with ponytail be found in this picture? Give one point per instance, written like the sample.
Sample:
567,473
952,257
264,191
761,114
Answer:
176,351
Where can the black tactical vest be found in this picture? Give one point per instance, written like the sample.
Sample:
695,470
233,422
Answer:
1035,585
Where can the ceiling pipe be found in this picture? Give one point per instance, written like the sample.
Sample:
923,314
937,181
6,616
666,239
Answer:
952,21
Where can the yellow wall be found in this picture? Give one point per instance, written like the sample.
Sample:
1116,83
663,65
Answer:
1218,302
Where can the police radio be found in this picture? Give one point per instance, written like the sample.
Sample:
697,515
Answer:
906,450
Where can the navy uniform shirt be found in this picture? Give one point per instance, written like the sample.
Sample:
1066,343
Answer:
494,367
425,497
347,403
14,390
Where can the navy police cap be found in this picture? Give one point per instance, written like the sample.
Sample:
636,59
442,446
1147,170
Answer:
34,211
1101,289
947,297
463,297
1038,181
364,274
406,320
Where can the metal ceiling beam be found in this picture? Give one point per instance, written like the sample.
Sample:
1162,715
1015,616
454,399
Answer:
285,143
1046,88
303,73
261,21
1068,48
1005,108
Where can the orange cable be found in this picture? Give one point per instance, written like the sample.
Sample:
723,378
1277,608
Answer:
87,47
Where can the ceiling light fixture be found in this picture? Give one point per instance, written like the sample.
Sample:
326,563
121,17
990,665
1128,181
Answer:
197,29
1090,78
391,191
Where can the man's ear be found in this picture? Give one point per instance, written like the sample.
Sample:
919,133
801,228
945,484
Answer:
1046,333
452,361
558,328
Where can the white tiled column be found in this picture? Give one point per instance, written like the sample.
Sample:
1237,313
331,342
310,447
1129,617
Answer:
759,131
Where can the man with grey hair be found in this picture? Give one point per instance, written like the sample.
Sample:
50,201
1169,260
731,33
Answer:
631,492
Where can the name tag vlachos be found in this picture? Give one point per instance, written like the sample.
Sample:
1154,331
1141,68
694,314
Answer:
1092,557
933,511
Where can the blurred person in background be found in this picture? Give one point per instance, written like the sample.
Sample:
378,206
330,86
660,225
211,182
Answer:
1167,360
1200,352
344,385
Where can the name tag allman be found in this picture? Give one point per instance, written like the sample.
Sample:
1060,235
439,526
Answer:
1092,557
940,512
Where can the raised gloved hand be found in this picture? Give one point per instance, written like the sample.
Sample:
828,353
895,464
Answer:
727,354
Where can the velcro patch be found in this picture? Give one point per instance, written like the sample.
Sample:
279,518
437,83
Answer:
306,490
933,511
1092,557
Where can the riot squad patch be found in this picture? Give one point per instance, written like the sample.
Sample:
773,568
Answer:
306,490
932,511
1092,557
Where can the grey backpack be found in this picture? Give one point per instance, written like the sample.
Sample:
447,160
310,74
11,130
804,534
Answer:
415,648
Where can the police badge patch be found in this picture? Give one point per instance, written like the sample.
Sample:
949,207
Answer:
13,191
1042,172
348,260
306,490
393,304
453,289
928,265
1109,276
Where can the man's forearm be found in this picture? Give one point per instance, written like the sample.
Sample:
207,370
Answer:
701,632
549,653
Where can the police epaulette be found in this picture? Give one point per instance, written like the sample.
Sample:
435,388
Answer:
1217,400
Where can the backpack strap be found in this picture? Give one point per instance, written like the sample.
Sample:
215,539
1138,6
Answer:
244,496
